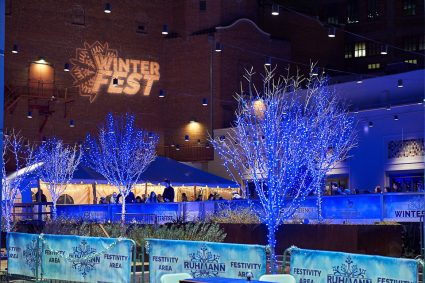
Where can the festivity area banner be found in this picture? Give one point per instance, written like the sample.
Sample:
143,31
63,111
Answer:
205,259
71,258
23,254
312,266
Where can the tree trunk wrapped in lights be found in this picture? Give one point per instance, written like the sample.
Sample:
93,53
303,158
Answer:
59,162
121,153
18,154
285,139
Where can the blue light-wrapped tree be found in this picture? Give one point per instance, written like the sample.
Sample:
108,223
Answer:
58,164
17,154
277,142
121,153
335,138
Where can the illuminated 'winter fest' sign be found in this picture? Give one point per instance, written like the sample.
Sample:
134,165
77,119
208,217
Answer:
96,66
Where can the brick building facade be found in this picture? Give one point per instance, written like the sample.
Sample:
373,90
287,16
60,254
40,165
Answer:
363,28
127,45
183,63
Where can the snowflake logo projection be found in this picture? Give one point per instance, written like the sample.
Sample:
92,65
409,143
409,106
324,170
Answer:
85,66
30,255
204,263
348,269
416,204
83,259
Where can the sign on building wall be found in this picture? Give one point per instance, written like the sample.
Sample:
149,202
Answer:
95,67
407,207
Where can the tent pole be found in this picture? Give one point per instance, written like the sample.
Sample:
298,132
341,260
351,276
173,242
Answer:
2,38
94,193
39,200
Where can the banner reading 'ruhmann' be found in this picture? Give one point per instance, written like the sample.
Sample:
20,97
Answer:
205,259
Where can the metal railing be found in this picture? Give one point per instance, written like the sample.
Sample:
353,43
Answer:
32,211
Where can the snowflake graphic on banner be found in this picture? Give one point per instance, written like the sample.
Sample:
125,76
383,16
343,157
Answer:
416,204
30,255
83,259
348,269
204,263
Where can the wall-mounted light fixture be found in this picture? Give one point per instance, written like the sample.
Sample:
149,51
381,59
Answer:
384,49
275,10
107,9
15,49
164,30
218,47
41,60
331,32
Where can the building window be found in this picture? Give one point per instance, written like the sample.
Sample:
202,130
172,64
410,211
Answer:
8,7
372,9
373,49
409,44
411,61
65,199
421,45
374,66
141,27
333,20
352,12
78,16
348,51
409,7
360,49
202,5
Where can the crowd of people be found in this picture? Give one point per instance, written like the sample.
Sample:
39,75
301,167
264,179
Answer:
333,189
167,196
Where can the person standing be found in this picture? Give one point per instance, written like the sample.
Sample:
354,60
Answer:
40,196
152,198
114,198
130,198
168,194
